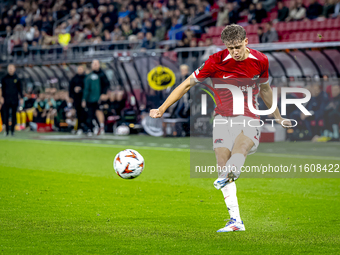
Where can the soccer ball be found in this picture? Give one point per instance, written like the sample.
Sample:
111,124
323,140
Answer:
128,164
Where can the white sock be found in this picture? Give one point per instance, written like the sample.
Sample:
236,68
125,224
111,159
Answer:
230,199
101,125
235,163
229,191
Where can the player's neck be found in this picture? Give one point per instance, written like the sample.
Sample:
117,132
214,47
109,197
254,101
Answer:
246,55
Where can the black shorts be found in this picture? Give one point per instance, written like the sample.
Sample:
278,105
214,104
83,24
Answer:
93,106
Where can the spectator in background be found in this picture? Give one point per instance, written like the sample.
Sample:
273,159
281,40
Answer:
91,96
283,11
211,49
314,9
251,14
223,16
95,88
244,5
132,12
28,108
135,26
40,109
173,33
147,27
184,70
261,34
233,13
126,30
160,30
148,42
332,114
328,8
316,106
268,4
118,99
64,37
296,11
123,12
336,9
260,13
76,89
10,92
192,14
270,35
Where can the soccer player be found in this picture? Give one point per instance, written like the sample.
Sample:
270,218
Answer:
242,67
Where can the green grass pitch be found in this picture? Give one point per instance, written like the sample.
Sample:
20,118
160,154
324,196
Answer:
64,198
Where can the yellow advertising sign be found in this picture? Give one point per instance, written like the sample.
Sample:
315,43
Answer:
161,77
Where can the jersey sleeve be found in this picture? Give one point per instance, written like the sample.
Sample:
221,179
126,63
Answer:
206,70
264,77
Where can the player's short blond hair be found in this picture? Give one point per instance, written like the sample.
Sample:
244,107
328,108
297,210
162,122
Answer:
233,34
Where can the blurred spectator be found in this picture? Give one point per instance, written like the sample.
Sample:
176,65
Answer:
233,13
40,109
283,11
260,13
296,11
261,35
332,114
76,88
270,35
328,8
148,43
268,4
135,26
314,9
174,33
251,14
27,109
118,99
147,27
123,12
336,9
11,91
64,37
223,16
316,106
160,30
184,70
192,14
95,87
126,30
211,49
244,5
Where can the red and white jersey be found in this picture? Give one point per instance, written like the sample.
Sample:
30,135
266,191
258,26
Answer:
223,69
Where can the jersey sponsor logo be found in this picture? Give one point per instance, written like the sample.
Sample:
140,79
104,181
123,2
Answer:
255,77
218,141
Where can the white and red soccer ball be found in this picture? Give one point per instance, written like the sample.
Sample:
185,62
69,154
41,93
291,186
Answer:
128,164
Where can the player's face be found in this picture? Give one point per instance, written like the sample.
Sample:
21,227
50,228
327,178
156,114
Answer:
238,50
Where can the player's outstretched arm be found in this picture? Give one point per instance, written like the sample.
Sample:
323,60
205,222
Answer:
174,97
266,94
